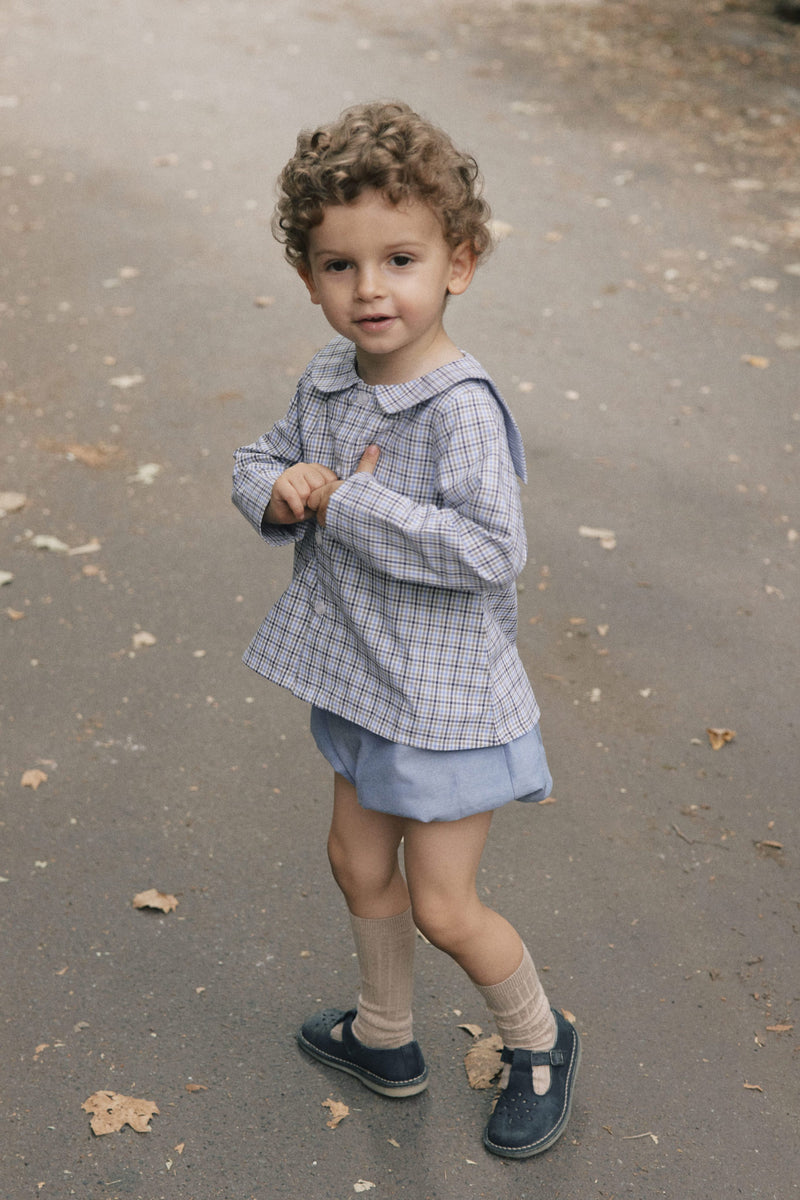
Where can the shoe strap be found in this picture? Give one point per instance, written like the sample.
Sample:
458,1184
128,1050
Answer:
535,1058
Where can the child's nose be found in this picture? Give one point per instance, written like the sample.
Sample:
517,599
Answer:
370,283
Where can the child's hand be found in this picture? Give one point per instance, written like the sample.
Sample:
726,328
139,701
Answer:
292,490
318,500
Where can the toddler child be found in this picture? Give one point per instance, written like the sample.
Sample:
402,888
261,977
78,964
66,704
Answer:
393,474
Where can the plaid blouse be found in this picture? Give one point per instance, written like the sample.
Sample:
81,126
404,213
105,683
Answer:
402,614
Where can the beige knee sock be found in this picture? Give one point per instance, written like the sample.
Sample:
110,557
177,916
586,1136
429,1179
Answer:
385,950
522,1013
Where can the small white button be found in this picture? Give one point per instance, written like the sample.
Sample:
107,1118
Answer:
319,607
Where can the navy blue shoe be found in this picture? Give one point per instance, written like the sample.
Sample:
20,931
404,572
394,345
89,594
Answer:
524,1124
400,1072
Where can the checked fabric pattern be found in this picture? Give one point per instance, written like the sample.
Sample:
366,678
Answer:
401,615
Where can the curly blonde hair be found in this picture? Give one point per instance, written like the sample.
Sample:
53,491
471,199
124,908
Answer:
383,145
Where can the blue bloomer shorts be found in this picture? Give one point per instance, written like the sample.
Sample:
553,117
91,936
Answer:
431,785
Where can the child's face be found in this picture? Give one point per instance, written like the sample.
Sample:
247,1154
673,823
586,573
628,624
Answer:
381,273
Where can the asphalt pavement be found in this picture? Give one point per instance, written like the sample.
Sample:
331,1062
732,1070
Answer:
641,314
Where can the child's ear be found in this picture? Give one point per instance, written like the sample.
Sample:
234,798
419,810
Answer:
463,262
307,277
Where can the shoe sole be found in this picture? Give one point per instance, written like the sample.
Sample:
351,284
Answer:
373,1082
540,1147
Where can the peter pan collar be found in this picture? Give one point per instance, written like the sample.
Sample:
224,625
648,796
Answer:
333,370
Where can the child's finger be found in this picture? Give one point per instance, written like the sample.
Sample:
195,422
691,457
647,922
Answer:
369,459
324,474
289,497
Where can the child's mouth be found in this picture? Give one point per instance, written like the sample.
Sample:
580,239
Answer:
377,322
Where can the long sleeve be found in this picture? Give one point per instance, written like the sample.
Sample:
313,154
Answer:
472,538
257,466
401,614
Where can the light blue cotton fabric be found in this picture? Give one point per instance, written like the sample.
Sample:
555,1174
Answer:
432,785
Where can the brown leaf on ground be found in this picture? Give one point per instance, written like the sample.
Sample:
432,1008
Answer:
780,1028
98,455
482,1061
719,737
112,1111
11,502
33,778
475,1030
753,1087
196,1087
773,850
338,1112
155,899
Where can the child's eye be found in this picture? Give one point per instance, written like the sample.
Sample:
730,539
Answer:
337,265
401,260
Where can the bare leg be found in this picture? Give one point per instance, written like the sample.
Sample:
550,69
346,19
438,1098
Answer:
363,849
442,862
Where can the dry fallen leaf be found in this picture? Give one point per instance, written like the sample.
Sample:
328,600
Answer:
123,382
770,849
87,548
475,1030
780,1028
33,778
363,1185
338,1111
763,283
142,639
146,473
718,737
46,541
753,1087
755,360
98,454
11,502
606,537
500,230
155,899
482,1061
112,1111
196,1087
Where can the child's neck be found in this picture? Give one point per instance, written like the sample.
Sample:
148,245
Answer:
386,369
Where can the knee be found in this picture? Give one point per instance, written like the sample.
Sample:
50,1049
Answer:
358,874
447,926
